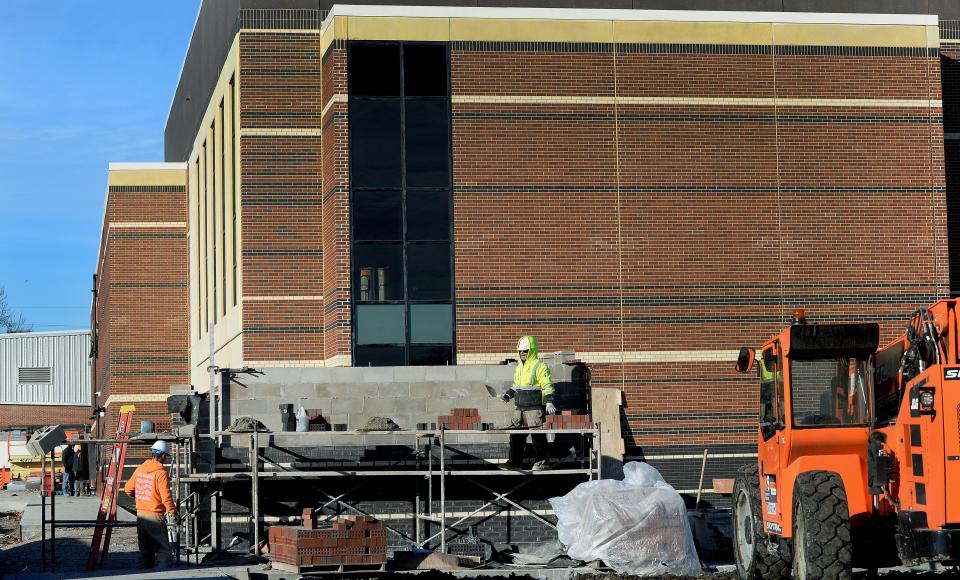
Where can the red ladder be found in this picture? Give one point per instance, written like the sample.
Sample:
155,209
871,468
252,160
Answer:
108,493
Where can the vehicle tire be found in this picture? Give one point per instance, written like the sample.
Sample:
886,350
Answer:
822,546
750,545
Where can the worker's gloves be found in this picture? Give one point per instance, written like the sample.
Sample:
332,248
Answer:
551,409
506,397
172,519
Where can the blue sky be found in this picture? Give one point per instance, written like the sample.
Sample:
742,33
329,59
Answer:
82,84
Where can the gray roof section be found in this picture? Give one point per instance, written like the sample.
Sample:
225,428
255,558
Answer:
219,20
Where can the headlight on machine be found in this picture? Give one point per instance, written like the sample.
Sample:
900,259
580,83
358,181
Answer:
926,400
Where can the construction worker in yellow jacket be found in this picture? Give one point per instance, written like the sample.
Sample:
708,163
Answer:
532,392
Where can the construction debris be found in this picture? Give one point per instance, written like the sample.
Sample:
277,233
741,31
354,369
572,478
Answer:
247,425
380,424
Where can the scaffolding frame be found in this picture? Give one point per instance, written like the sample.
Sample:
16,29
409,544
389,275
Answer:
430,447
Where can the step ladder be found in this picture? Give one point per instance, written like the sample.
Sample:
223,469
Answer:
107,514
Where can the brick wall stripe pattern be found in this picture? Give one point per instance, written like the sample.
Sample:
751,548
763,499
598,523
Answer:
141,349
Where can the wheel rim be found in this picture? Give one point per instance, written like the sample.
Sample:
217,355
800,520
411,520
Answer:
743,517
799,546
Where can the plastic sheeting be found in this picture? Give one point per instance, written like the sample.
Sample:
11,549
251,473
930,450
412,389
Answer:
636,526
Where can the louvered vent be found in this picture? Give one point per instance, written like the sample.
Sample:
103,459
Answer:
36,375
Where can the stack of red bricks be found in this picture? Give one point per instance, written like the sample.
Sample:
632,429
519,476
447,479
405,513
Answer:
460,418
350,540
569,420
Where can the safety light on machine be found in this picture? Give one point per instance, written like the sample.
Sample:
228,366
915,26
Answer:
799,316
926,400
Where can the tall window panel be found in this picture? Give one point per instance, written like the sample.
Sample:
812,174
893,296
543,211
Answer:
196,242
400,179
213,217
203,236
223,207
234,190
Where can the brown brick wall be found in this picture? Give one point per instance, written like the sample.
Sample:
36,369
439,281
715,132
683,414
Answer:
281,192
29,416
649,227
142,303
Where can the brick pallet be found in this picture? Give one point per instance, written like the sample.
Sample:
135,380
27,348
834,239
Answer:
352,541
568,420
460,418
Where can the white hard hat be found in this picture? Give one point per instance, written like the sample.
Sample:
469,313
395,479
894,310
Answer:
524,344
160,448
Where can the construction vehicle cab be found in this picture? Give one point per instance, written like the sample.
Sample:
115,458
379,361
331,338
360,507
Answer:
857,449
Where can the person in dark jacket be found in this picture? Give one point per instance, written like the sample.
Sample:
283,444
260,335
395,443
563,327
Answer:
68,458
81,470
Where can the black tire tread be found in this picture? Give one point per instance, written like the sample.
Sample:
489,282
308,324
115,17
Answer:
820,498
767,565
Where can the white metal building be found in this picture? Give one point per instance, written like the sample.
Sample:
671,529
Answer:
45,368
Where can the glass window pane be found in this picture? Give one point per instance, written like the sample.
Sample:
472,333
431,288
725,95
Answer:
377,215
430,323
425,70
380,324
377,272
431,355
428,272
428,215
379,356
375,70
375,143
427,143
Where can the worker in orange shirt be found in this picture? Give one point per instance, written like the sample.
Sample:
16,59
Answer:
150,486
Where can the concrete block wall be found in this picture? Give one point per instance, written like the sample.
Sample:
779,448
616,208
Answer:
408,395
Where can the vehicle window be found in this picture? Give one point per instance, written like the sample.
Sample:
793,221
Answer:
830,392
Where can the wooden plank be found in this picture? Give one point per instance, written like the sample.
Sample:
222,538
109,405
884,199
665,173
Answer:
605,404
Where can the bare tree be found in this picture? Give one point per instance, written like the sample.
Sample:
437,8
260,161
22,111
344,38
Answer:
8,320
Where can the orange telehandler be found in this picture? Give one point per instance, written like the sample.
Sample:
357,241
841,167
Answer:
858,449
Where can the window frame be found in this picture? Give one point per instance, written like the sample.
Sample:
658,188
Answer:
404,189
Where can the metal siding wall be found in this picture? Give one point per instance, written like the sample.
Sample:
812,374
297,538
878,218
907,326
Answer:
66,354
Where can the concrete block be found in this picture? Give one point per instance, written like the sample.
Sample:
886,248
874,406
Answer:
313,439
257,391
445,374
353,420
378,374
357,390
470,373
410,374
346,374
500,372
464,389
314,403
291,392
248,407
385,407
438,406
345,405
394,390
495,405
423,390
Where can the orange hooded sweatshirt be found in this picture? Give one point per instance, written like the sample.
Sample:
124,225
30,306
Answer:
150,486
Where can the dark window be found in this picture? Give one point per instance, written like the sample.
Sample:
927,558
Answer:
374,70
428,272
375,143
431,355
400,204
380,324
378,272
425,70
378,216
427,143
379,356
431,323
428,215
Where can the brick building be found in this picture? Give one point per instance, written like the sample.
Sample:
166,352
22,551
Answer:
139,316
383,185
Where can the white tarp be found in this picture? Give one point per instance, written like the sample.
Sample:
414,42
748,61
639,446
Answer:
636,526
